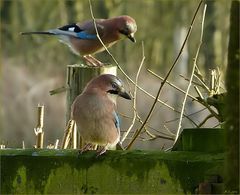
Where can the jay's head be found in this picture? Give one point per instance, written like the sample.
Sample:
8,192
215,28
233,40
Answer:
127,27
108,84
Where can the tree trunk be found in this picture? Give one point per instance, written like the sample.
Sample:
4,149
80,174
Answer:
232,104
208,39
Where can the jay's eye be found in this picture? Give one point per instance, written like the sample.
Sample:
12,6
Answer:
124,31
114,85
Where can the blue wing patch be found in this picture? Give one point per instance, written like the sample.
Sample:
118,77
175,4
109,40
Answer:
84,35
81,34
116,120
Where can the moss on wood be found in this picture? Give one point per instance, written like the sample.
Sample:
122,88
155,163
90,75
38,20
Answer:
64,171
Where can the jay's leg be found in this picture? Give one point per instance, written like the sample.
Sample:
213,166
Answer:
102,150
89,61
99,63
85,148
92,61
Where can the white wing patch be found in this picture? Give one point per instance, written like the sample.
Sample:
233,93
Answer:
71,29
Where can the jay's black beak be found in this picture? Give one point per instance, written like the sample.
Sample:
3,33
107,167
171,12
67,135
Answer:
131,37
125,95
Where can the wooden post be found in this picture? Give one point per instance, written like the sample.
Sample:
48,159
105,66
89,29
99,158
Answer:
77,78
67,134
74,136
39,128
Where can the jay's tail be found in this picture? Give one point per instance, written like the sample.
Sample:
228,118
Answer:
62,34
37,32
53,32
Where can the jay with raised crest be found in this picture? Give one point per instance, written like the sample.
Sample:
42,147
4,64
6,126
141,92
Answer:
94,111
82,38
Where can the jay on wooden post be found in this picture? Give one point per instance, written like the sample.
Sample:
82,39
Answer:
94,111
82,38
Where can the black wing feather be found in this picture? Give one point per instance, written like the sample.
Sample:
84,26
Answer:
74,25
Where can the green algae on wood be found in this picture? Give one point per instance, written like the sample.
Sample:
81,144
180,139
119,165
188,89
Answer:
193,139
64,171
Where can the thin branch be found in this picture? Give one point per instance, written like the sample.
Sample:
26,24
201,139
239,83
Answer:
198,73
67,134
218,125
175,119
161,132
203,83
165,79
56,144
134,97
191,78
159,136
194,82
199,93
150,134
205,120
204,103
172,85
165,127
148,126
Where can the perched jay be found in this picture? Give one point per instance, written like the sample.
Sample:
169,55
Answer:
94,111
82,39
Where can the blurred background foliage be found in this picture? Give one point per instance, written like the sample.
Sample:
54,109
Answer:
33,65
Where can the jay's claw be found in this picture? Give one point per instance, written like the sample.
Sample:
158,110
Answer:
92,61
87,147
101,151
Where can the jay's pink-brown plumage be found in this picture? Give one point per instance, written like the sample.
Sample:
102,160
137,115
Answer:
82,39
94,111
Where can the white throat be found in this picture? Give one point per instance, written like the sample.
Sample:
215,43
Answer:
112,97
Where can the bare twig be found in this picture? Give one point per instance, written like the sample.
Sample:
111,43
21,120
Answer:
159,136
165,127
58,90
148,126
218,125
40,115
67,134
172,85
204,103
202,83
56,144
134,97
205,120
194,82
198,73
173,120
199,93
191,77
165,79
150,134
201,99
212,82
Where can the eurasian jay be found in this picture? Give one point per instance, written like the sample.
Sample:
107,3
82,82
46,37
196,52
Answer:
82,39
94,111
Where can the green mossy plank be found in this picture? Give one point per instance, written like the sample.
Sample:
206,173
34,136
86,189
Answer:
201,140
36,171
